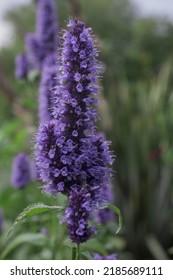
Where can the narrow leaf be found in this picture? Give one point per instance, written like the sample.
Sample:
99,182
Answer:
105,204
156,248
32,210
117,211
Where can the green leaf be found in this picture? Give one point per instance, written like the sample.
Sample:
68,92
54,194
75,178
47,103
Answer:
117,211
36,239
32,210
94,245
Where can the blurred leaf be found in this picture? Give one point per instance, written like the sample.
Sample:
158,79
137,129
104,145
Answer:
68,243
115,243
93,246
156,248
170,251
87,255
36,239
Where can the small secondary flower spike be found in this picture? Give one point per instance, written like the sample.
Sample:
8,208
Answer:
77,215
44,41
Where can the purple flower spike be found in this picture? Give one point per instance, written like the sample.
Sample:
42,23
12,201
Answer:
72,158
47,83
109,257
45,40
20,171
22,66
1,220
77,215
69,141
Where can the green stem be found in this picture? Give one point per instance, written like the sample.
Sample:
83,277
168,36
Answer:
78,252
73,257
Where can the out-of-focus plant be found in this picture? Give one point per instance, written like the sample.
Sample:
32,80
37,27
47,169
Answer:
142,136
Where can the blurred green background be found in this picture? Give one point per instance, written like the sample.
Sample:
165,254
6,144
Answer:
136,112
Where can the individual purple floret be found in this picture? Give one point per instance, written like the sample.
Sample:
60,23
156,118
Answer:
103,216
77,215
47,83
68,150
21,171
109,257
1,220
22,66
45,40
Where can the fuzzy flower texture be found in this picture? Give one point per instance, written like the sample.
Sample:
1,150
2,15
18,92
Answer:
71,156
77,215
